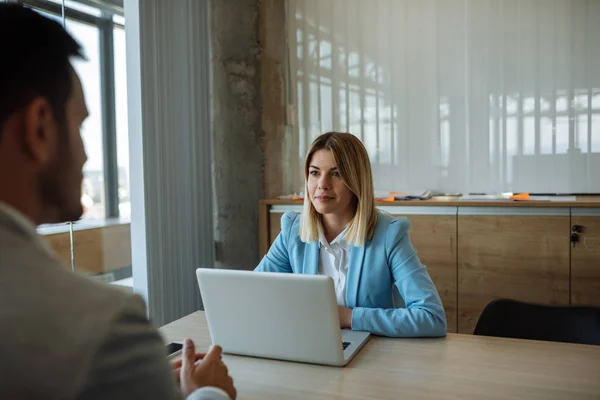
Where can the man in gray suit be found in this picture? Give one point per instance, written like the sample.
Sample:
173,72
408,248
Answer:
63,336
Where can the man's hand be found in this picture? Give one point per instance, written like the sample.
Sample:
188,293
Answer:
176,365
345,317
210,371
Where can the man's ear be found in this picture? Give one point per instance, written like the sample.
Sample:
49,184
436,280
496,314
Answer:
40,131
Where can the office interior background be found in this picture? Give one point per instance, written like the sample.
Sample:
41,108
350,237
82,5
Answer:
201,109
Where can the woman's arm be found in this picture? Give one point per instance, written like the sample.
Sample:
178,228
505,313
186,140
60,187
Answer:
277,259
423,314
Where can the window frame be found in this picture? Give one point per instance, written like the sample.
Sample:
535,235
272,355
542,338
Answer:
105,25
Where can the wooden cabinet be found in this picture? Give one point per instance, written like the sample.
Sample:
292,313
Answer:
272,226
504,252
476,253
585,258
433,235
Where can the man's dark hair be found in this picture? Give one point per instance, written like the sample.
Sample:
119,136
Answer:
35,61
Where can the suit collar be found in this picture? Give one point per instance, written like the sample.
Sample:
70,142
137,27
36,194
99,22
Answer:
340,240
14,220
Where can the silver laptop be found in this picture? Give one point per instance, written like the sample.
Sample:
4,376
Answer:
277,315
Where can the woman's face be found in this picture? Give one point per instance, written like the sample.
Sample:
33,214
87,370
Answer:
326,189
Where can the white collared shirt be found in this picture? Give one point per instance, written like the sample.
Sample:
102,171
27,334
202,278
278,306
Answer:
334,259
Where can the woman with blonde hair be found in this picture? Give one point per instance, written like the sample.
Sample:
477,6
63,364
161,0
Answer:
366,252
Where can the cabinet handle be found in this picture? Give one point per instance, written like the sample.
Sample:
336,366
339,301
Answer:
577,228
574,238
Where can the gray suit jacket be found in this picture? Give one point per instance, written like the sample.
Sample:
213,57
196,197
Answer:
63,336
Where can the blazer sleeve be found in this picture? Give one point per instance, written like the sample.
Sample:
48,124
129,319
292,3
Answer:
423,315
131,363
278,258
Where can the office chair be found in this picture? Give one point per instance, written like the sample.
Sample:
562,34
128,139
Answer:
515,319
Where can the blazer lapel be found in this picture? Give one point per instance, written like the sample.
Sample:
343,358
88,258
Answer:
311,259
357,256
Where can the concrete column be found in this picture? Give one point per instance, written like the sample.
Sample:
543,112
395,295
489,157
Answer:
251,147
236,115
278,155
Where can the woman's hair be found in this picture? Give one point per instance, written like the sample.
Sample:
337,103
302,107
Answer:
354,168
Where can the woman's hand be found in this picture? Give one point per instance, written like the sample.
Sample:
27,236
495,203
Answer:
345,317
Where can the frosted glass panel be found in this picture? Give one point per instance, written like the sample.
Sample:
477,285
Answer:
455,95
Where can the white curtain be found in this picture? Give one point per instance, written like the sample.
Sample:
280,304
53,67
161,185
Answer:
453,95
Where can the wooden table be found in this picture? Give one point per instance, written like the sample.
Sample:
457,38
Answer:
455,367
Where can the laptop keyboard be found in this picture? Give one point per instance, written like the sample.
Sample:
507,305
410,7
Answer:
345,344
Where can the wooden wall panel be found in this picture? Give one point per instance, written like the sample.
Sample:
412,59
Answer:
510,256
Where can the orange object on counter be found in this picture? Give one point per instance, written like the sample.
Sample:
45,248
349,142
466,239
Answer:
391,198
520,196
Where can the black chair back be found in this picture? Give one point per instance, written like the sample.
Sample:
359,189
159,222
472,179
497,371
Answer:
515,319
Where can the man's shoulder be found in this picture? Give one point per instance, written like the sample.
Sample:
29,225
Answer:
53,319
35,279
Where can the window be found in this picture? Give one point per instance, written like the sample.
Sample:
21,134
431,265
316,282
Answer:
121,122
106,173
101,240
89,73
